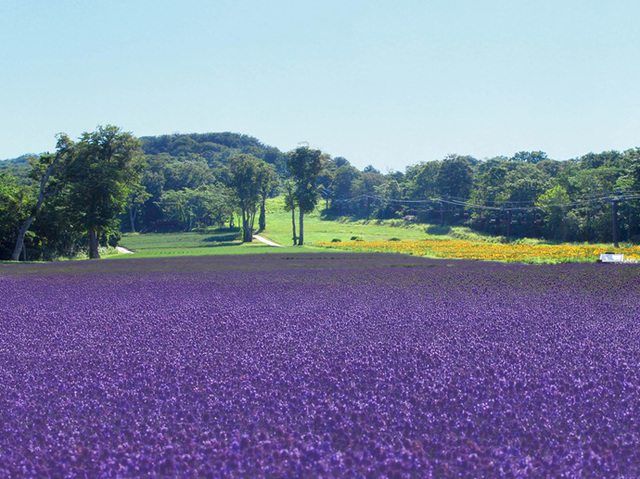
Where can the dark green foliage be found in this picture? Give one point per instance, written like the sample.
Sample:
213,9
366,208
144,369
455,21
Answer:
249,177
214,148
305,166
20,168
101,170
13,209
184,184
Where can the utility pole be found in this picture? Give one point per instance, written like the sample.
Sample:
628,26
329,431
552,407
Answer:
509,213
614,212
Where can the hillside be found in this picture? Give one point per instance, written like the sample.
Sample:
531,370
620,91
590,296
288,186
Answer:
18,167
215,148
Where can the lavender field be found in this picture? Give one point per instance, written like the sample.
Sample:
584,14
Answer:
312,365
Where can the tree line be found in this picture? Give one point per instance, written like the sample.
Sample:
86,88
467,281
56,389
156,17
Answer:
527,195
90,190
82,196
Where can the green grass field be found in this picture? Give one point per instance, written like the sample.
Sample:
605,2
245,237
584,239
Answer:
278,230
189,244
317,229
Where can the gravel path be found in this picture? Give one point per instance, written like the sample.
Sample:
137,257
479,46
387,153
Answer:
266,241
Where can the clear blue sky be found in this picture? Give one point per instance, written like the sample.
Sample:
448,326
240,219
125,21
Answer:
382,83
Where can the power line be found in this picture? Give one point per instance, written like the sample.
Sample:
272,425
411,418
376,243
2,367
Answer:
617,196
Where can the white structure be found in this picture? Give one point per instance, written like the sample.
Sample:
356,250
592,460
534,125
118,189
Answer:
611,258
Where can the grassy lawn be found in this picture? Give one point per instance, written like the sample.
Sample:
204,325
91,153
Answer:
192,244
317,229
371,235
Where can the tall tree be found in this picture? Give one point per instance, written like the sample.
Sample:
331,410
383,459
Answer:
290,205
304,166
137,197
553,202
42,170
14,203
246,173
530,156
100,172
455,176
267,180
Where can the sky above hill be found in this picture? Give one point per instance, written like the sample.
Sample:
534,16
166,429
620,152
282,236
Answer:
383,83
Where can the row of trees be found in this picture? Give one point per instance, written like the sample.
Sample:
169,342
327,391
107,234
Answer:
80,191
527,195
251,180
81,194
108,181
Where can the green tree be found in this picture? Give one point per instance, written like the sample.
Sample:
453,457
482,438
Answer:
99,174
421,179
365,187
136,198
14,205
290,205
305,165
455,177
343,179
246,176
267,179
42,171
205,206
553,202
530,156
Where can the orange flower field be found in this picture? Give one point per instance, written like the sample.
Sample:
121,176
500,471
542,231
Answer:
489,251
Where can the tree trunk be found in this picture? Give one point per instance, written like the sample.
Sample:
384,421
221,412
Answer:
293,223
132,219
247,234
262,220
94,253
20,241
301,232
25,227
252,219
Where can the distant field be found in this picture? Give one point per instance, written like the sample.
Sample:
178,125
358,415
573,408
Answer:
460,249
317,229
190,244
278,230
322,235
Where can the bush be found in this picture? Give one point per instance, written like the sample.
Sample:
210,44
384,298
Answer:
114,238
356,238
166,226
394,239
336,240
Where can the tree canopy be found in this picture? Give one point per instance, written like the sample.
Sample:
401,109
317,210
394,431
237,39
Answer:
305,165
108,181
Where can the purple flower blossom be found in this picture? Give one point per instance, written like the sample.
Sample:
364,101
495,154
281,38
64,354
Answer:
312,365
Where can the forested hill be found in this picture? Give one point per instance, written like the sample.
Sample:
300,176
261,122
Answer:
18,167
215,148
185,182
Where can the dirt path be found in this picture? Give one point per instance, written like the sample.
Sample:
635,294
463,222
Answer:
266,241
122,249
